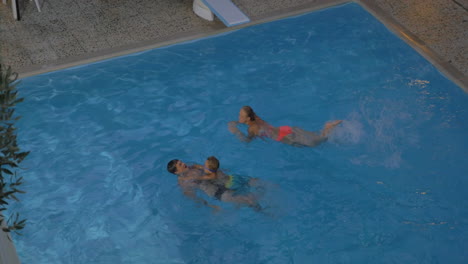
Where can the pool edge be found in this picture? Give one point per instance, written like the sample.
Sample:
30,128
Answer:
416,43
171,40
402,32
8,253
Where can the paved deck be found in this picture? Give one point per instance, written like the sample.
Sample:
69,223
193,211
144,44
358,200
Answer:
69,32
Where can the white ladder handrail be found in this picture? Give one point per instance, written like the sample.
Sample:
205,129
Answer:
37,5
14,7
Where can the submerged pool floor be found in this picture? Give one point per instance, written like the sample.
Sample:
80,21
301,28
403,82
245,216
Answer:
388,187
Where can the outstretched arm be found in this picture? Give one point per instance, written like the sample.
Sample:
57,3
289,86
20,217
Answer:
197,166
210,176
232,126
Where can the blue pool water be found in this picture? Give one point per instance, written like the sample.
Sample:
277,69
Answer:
389,186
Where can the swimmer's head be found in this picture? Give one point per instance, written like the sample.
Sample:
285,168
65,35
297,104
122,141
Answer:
176,167
246,114
211,165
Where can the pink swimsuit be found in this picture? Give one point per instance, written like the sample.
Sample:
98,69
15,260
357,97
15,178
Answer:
284,131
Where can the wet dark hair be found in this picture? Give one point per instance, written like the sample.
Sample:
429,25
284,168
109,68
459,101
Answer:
213,163
171,166
250,112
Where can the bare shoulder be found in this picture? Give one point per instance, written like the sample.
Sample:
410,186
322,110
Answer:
254,129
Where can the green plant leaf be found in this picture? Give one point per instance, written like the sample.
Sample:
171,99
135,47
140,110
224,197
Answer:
14,197
10,153
7,171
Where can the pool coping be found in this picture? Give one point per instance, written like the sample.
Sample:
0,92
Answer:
423,49
101,55
8,252
416,43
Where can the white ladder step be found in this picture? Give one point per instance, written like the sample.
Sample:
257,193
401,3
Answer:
227,12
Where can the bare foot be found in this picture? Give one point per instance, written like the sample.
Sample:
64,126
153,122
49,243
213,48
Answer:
329,126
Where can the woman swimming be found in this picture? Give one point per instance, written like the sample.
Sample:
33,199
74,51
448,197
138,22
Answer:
289,135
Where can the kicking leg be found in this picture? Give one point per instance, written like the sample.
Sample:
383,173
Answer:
329,126
247,200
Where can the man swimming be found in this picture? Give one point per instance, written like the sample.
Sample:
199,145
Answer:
212,172
189,182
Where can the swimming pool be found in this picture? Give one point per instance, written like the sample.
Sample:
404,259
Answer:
388,187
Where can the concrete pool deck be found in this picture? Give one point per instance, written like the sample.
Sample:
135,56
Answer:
71,32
